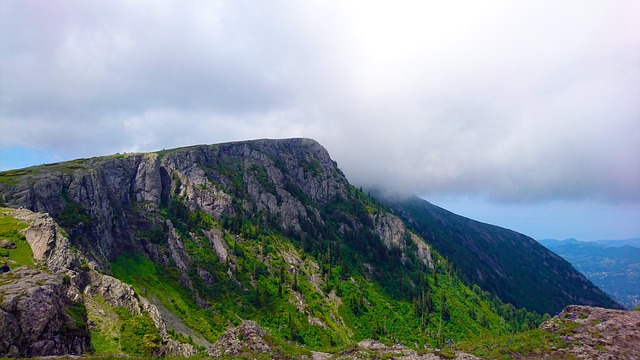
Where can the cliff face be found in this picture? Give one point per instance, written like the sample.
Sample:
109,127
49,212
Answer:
101,200
37,317
182,244
84,214
44,307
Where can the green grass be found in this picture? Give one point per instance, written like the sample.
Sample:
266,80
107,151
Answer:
533,343
12,177
150,279
103,344
10,228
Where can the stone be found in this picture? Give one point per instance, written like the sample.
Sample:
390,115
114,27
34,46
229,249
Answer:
247,337
38,319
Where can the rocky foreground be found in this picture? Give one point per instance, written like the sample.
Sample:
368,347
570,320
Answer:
37,317
596,333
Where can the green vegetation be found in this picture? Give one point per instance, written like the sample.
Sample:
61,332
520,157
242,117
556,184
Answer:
477,248
10,230
410,303
321,278
138,334
533,343
72,214
13,177
106,325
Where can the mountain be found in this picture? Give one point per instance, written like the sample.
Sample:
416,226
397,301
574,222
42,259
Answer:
612,265
509,264
255,247
635,242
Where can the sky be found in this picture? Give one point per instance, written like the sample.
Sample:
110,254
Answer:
523,114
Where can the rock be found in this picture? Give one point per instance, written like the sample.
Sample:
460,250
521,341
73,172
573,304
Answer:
48,242
6,244
248,337
147,185
38,319
597,333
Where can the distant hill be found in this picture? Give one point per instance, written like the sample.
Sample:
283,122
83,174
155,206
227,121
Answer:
511,265
613,265
635,242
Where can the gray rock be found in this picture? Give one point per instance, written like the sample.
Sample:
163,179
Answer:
37,318
6,244
249,336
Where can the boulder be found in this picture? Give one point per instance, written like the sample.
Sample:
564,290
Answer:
248,337
37,318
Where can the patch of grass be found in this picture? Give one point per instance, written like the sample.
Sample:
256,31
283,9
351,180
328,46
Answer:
532,344
12,177
10,228
149,278
104,344
105,326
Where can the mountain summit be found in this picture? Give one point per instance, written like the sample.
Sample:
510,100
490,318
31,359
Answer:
255,246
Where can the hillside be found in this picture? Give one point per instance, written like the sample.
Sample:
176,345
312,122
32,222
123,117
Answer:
612,265
511,265
263,244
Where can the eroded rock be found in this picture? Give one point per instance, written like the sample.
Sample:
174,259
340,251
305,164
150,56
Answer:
247,337
37,318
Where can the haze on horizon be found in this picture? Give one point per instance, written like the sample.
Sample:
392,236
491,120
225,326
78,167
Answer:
521,114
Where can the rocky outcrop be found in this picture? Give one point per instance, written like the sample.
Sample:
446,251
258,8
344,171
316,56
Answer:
37,318
48,242
394,233
112,194
596,333
35,303
248,337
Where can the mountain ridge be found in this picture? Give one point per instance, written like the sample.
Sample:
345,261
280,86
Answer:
266,230
490,256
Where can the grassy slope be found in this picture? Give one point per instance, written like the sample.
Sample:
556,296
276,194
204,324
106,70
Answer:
10,228
260,290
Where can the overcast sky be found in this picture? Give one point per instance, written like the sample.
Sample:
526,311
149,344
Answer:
524,114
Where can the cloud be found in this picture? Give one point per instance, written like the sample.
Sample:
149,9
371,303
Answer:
517,102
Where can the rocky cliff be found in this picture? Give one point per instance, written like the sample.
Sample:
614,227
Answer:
84,214
37,317
166,252
43,310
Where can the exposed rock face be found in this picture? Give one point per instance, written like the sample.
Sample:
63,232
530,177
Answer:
597,333
248,337
394,233
37,318
106,189
48,242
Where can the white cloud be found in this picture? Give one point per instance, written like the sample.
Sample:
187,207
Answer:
518,102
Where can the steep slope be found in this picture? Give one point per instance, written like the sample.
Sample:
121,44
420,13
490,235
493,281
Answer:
511,265
200,240
615,269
